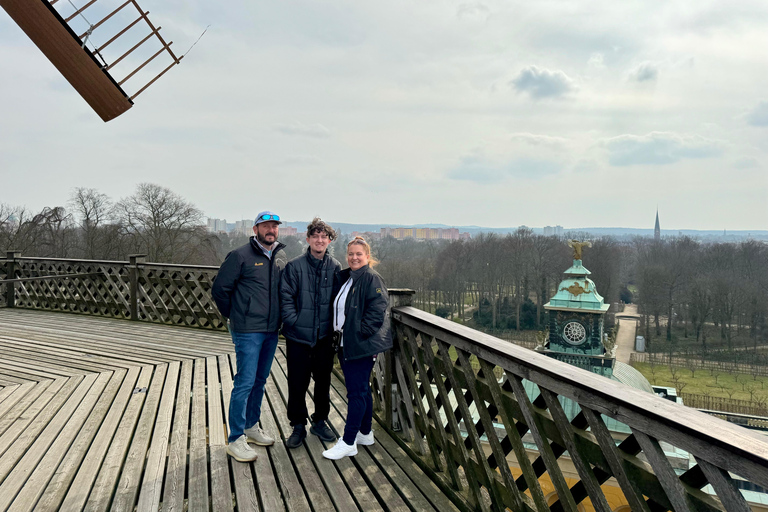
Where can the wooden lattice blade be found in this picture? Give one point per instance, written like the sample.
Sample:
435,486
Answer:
63,48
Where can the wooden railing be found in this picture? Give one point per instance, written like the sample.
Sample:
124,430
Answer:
471,408
494,425
135,290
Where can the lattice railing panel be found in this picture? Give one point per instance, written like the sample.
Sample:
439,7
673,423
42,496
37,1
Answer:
169,294
179,296
104,294
472,417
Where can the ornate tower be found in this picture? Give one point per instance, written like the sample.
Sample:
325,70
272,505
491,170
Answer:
576,314
657,229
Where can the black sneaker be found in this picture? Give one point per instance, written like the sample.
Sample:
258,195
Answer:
297,437
321,430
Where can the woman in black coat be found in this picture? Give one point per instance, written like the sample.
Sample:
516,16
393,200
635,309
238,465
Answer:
360,323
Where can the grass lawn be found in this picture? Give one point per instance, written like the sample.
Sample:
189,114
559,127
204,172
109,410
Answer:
722,384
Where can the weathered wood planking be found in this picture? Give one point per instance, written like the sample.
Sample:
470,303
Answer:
114,415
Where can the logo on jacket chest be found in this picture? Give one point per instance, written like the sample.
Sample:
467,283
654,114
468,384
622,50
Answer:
258,264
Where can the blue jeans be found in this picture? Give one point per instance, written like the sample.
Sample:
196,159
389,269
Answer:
357,374
255,352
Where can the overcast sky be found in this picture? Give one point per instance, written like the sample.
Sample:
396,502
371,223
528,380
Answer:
492,113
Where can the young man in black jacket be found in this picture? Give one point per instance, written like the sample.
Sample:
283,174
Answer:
305,303
246,292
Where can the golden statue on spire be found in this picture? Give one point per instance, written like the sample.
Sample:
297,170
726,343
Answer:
578,247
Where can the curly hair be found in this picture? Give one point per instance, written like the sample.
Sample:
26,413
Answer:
319,226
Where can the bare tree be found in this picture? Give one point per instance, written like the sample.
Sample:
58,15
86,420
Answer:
93,211
162,224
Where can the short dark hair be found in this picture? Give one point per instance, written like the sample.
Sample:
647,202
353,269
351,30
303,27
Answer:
319,226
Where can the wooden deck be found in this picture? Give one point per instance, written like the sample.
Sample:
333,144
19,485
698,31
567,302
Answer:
99,414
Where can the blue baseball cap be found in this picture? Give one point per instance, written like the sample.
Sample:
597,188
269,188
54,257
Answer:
267,216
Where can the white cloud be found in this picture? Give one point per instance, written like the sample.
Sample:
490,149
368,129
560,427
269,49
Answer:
478,168
758,116
658,148
539,140
306,130
469,10
596,61
644,72
543,83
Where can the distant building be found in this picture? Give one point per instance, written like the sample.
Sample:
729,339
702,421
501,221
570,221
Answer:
288,231
217,225
425,233
553,231
657,229
244,227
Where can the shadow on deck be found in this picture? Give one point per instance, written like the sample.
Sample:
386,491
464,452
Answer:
100,414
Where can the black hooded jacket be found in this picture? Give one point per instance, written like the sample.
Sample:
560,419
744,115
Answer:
246,288
306,292
366,326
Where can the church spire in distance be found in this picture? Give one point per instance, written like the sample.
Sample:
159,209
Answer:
656,228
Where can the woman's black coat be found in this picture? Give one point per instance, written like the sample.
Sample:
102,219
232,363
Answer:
366,323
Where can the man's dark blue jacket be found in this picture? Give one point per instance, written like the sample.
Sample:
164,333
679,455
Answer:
246,288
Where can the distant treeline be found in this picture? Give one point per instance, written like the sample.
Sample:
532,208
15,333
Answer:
705,289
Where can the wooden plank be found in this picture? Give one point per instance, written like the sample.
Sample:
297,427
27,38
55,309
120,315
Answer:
198,453
176,472
514,438
725,487
50,363
664,471
56,392
28,372
62,458
407,479
130,478
245,490
15,412
17,393
611,451
221,492
325,486
78,492
65,353
106,481
152,481
588,479
284,476
17,476
5,392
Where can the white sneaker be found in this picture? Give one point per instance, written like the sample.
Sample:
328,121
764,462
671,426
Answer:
257,436
240,451
365,440
340,449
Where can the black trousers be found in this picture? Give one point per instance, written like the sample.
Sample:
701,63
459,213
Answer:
305,362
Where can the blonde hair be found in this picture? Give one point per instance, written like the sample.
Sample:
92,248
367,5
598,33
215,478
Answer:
358,240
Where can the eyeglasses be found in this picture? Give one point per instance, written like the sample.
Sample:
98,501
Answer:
269,217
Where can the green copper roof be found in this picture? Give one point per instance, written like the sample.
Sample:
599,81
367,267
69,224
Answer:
577,291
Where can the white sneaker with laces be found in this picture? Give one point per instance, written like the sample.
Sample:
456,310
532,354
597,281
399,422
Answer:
240,451
365,440
257,436
340,450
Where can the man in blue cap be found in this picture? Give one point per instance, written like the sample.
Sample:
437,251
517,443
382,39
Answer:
246,292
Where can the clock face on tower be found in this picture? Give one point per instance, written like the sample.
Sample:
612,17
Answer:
574,333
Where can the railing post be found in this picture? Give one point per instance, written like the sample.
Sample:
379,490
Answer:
397,297
134,260
10,267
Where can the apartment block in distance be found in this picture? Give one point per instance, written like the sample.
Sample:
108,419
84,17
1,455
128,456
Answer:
425,233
